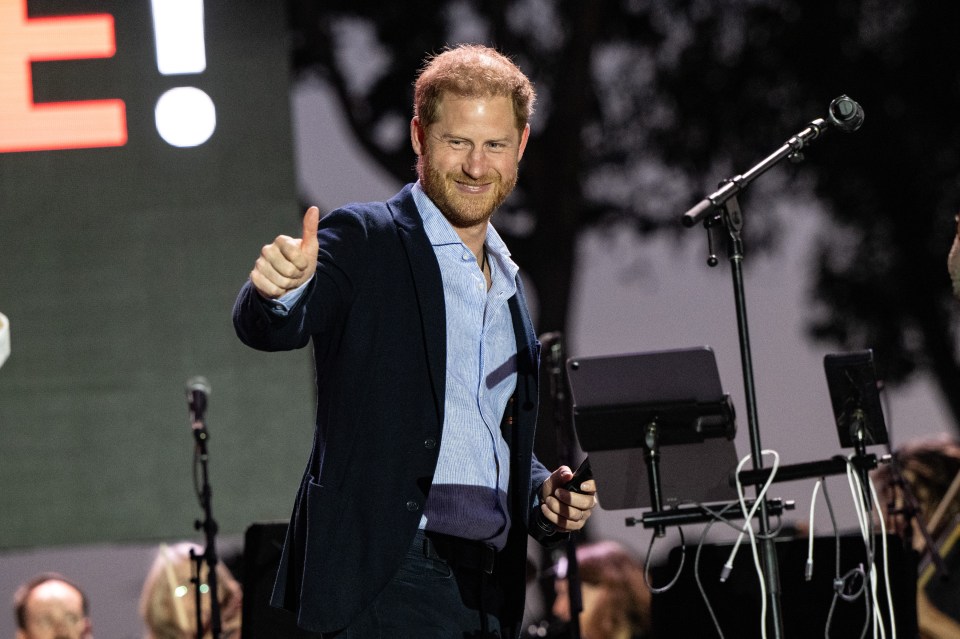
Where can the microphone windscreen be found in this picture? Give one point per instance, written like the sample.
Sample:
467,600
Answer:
198,384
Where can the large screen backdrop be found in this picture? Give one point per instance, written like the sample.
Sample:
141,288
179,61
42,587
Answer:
125,234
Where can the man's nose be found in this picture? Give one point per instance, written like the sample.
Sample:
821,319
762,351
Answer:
475,164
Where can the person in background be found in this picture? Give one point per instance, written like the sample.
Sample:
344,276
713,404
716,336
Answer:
422,488
49,606
931,469
616,599
953,261
168,599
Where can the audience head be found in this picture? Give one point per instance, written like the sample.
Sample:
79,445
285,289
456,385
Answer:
953,261
49,606
168,599
616,599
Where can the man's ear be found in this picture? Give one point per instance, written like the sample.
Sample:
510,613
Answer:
524,135
417,135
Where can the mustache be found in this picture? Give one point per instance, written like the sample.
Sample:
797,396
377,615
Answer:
462,178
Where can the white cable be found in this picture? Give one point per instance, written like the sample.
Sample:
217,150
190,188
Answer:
808,569
748,517
860,509
863,517
886,563
748,528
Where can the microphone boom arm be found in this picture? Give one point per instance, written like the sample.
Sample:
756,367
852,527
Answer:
732,186
843,113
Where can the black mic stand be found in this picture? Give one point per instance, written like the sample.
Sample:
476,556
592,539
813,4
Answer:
209,527
555,356
722,207
732,220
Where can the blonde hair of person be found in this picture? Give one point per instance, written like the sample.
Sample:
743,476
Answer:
168,599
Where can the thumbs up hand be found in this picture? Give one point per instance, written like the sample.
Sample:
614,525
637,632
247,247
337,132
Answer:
287,262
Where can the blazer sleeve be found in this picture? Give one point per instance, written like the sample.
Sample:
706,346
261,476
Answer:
341,263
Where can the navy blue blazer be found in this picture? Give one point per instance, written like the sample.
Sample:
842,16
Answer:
375,313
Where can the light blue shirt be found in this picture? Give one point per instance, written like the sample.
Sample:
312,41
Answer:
468,497
469,493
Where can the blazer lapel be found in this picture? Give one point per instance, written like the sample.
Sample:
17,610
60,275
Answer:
528,346
428,287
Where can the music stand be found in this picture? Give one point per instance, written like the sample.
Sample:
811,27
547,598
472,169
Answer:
639,402
852,383
855,397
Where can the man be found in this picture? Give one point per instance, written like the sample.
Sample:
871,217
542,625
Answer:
413,513
50,607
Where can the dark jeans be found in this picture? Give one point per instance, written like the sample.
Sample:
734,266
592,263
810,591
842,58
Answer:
430,598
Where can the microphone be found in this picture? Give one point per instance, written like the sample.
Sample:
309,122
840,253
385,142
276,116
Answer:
553,351
845,114
198,389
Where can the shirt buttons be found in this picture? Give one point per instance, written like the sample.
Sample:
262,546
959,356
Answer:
430,443
413,506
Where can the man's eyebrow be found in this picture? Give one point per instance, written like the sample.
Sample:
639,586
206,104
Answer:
453,136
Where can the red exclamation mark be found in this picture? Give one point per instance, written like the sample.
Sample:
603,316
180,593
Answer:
185,115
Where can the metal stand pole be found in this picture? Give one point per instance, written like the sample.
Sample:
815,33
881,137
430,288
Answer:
733,221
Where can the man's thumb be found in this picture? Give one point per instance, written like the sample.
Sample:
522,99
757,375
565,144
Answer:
555,480
311,219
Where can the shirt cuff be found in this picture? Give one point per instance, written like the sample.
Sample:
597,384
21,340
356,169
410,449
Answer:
282,305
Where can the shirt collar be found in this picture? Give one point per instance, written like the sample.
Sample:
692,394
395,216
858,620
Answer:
440,232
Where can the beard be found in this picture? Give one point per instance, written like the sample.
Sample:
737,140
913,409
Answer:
462,210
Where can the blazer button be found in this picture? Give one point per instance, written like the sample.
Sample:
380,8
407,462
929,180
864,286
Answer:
430,443
413,506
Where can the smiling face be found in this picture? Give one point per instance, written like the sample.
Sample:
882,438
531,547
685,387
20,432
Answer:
468,157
